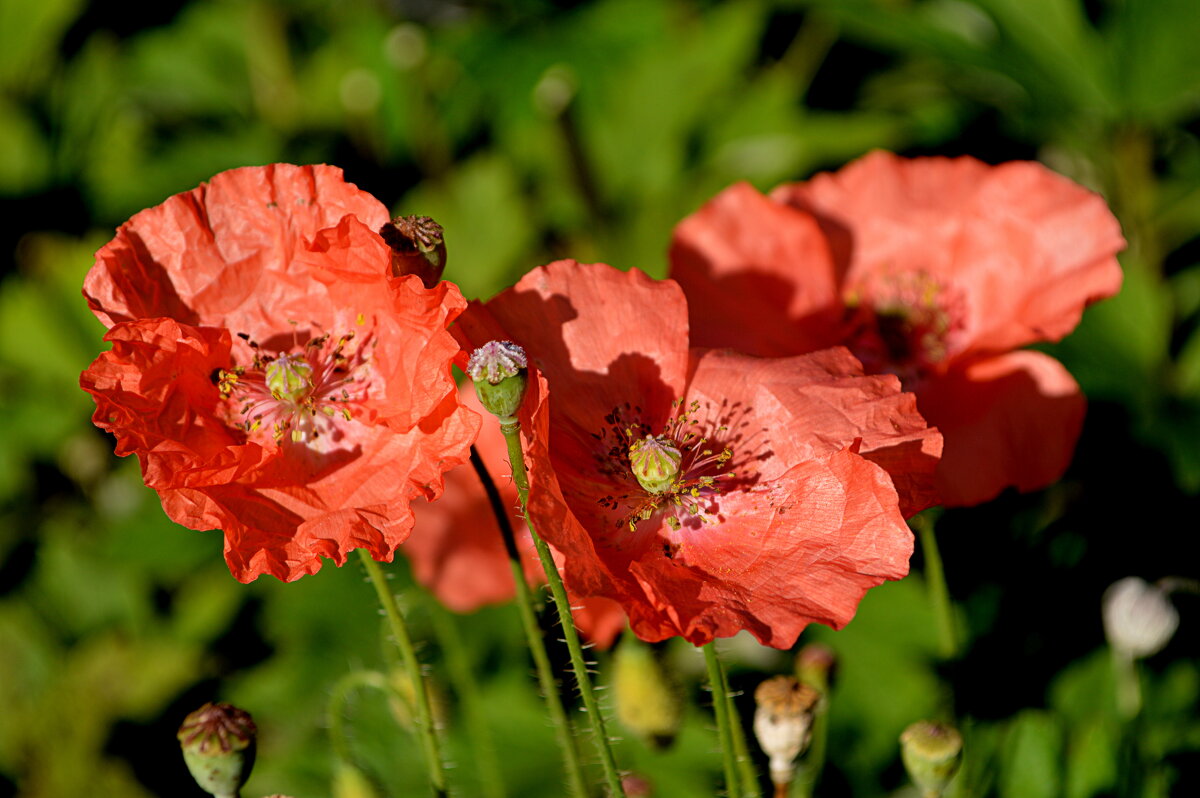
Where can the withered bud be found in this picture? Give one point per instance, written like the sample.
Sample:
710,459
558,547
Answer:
782,722
418,247
218,743
932,752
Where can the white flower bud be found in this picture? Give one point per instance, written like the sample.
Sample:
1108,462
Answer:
1138,618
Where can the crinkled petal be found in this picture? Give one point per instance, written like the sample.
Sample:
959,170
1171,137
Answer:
799,408
594,331
803,550
153,391
1009,420
758,275
220,255
411,351
1028,248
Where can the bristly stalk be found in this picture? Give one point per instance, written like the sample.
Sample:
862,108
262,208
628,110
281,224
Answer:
424,715
741,751
563,729
511,427
716,681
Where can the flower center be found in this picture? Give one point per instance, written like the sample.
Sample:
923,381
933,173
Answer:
296,396
290,378
677,471
903,324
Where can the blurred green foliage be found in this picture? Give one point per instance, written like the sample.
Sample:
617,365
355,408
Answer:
534,130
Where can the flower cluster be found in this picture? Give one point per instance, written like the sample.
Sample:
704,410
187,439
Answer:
736,448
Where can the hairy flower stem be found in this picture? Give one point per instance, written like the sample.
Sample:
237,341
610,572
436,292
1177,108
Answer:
935,578
533,634
511,428
716,681
424,715
458,667
741,750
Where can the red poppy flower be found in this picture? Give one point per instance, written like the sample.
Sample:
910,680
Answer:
933,269
273,378
457,551
706,491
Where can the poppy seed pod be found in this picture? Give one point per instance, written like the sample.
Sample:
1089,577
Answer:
218,743
782,722
498,369
932,752
655,463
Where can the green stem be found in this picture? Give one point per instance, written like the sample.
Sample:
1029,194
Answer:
1129,690
811,765
424,715
716,680
747,771
511,427
935,578
533,634
483,747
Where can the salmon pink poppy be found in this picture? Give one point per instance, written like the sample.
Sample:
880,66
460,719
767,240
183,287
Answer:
933,269
705,491
272,376
458,553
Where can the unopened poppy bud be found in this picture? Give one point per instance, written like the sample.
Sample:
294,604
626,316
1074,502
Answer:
498,369
648,702
655,463
218,742
418,247
931,752
815,664
289,377
782,722
1139,619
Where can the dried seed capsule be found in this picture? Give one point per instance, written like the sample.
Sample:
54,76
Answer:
782,722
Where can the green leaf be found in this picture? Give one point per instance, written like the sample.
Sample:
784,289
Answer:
1155,46
1092,756
1031,757
29,35
24,156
